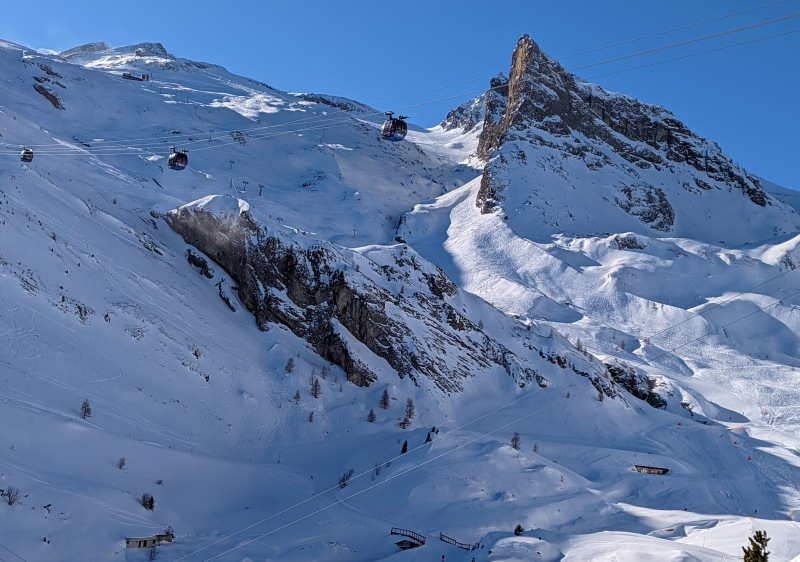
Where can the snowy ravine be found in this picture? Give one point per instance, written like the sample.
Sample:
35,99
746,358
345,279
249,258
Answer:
510,271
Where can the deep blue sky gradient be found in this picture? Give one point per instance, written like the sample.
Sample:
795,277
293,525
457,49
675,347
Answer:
410,55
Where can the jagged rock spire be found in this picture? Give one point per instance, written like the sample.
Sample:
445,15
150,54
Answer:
546,106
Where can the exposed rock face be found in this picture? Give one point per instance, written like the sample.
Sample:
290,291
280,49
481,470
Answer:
83,49
637,384
486,110
349,308
548,109
337,102
139,56
649,204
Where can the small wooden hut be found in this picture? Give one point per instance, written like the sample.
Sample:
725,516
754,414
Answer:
147,542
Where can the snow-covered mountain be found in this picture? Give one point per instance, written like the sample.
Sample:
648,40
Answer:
554,260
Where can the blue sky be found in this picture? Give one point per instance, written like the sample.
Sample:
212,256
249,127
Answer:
424,57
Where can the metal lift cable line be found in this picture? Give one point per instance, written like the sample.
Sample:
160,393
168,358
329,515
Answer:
597,49
573,70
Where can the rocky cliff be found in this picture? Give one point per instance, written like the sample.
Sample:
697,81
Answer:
392,308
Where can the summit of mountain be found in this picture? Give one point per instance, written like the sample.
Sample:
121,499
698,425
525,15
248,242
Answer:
566,156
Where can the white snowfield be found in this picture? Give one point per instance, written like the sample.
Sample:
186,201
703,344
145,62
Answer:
98,302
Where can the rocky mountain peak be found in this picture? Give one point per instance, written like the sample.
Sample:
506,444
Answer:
537,87
84,49
649,152
152,49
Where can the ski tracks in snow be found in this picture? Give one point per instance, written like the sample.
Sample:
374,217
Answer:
114,513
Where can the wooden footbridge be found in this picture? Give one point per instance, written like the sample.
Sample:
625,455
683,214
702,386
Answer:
419,540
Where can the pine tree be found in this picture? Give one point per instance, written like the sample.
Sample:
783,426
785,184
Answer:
516,440
316,388
404,450
757,551
289,365
428,438
371,416
86,409
147,501
410,410
311,416
518,530
297,397
384,403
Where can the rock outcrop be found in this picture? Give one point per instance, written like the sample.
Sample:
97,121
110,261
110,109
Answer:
486,110
355,312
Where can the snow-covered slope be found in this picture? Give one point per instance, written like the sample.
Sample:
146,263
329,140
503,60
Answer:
102,300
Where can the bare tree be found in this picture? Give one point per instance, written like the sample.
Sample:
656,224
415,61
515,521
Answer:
152,553
516,440
297,397
11,495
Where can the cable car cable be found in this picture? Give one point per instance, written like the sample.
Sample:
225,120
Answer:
600,63
594,50
629,41
608,61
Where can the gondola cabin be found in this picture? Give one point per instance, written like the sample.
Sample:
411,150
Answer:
178,160
394,129
26,155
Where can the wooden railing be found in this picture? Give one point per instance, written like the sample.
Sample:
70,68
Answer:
410,534
450,540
